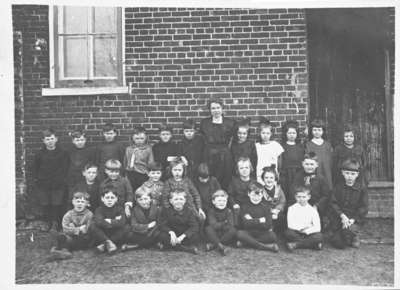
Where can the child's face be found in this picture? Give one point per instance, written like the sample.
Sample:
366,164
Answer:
79,204
177,171
302,198
269,179
90,174
348,138
220,202
189,133
255,197
112,173
154,175
350,176
50,142
216,110
109,199
317,132
144,201
244,168
165,136
291,134
79,142
242,134
139,139
265,134
310,165
177,201
203,179
109,136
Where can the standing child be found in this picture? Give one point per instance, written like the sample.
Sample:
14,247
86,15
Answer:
165,150
304,226
137,158
108,228
241,145
178,180
109,149
275,197
90,184
206,185
121,185
268,151
75,225
292,156
179,227
79,156
191,147
349,205
50,168
256,224
220,230
322,148
143,231
348,149
154,184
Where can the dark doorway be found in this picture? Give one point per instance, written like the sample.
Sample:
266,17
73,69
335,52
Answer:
350,60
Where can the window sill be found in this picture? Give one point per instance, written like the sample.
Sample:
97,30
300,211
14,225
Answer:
47,92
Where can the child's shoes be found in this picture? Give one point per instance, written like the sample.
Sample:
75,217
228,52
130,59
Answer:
319,246
101,248
127,247
111,247
291,246
210,247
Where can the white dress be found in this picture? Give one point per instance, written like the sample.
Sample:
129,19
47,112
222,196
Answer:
267,154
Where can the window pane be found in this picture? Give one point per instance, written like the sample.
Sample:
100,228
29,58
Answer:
75,19
105,57
75,56
105,19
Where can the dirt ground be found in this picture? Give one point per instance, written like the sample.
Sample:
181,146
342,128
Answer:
372,264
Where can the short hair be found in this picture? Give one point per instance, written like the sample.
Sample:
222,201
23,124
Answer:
290,124
175,162
256,187
203,171
219,193
48,132
78,133
311,155
177,191
165,127
81,194
243,159
138,130
349,128
90,165
302,188
189,124
350,164
109,127
317,123
154,166
107,189
264,123
214,100
270,169
113,164
142,190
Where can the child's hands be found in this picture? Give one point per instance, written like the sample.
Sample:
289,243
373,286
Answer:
118,217
236,206
108,220
151,225
202,214
262,219
127,210
83,229
247,216
345,221
173,238
180,238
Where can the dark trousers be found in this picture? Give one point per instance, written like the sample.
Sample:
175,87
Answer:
72,243
302,240
223,236
343,238
100,234
253,238
144,240
165,239
280,224
136,179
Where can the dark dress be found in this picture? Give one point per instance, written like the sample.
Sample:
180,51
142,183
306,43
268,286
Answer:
245,149
292,158
78,157
216,152
193,152
161,152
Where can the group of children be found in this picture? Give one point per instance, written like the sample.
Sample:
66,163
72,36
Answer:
166,196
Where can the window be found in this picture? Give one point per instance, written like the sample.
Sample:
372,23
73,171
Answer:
87,47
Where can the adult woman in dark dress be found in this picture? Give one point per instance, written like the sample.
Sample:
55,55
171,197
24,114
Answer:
218,131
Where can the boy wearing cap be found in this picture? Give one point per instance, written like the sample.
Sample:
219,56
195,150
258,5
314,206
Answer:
349,206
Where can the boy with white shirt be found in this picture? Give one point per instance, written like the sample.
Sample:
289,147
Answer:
304,226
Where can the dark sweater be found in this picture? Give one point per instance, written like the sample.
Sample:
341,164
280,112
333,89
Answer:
109,150
93,190
161,151
237,191
206,191
245,149
78,158
103,212
256,211
220,219
123,188
141,218
193,152
179,221
50,167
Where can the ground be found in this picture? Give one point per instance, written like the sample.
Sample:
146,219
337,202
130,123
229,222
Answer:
372,264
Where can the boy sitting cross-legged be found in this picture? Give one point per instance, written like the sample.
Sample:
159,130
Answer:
75,224
108,227
143,230
304,226
220,229
178,224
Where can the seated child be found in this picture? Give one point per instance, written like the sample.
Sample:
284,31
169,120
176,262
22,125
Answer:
206,185
154,184
75,225
90,185
349,206
304,226
108,228
178,225
256,223
121,185
220,230
143,230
